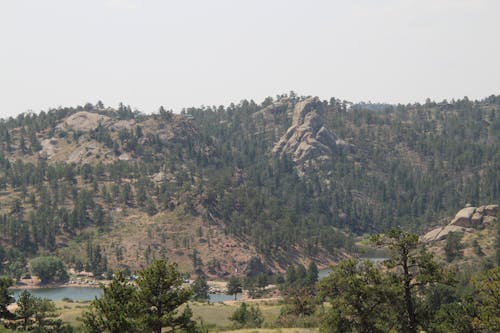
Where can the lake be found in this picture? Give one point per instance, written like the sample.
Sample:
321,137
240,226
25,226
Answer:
88,294
59,293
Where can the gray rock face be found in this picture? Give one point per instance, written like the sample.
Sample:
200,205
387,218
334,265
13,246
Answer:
463,217
489,220
441,233
307,140
492,210
476,219
84,121
466,220
49,147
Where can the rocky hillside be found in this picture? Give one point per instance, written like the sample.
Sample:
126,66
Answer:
467,219
470,238
307,140
285,181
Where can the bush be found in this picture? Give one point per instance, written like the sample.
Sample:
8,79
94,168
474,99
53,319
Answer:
453,246
247,316
49,269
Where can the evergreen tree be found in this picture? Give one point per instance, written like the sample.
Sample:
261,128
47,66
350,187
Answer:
488,286
47,319
413,268
26,308
312,273
247,316
5,297
160,294
116,310
234,286
453,245
360,298
200,289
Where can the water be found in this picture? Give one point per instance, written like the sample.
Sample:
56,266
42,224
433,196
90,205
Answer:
323,273
88,294
219,298
57,294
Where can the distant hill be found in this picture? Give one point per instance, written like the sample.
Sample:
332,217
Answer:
288,180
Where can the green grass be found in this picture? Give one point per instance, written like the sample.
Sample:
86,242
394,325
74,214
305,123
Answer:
218,314
214,315
71,311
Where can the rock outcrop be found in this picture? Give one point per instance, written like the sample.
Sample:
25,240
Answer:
307,140
441,233
49,147
466,220
273,111
474,216
90,152
464,217
84,121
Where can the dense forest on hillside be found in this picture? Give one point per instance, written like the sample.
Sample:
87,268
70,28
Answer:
70,170
407,165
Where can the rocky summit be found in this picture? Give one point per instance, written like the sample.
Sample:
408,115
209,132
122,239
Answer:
307,140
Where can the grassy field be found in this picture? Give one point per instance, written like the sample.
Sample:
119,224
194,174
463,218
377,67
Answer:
70,311
219,313
215,316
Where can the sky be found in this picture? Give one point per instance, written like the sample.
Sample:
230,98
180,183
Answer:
147,53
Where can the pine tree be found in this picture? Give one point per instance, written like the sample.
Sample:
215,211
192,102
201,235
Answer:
160,294
234,286
360,298
5,297
26,308
116,311
200,289
414,268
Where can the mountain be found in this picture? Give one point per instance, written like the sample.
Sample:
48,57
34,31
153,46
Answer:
288,180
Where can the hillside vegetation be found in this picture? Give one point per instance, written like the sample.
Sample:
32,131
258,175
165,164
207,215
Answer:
288,180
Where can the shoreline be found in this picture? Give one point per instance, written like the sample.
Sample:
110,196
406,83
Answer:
72,284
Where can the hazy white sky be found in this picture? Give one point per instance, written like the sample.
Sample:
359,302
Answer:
148,53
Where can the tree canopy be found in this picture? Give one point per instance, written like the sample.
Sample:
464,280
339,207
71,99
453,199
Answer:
116,311
49,269
151,303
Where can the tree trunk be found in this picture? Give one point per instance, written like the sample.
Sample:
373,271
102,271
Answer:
410,311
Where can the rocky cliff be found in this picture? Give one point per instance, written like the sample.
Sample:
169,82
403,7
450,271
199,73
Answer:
307,140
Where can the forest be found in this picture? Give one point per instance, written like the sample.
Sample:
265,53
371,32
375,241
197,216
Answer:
399,166
410,291
71,179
